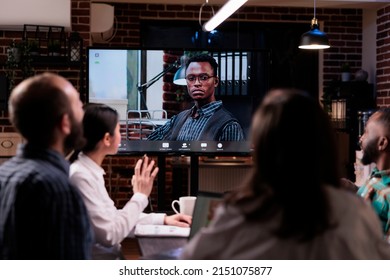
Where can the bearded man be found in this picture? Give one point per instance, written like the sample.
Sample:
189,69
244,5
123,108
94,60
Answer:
42,216
375,145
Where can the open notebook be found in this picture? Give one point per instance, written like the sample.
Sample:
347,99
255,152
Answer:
205,205
161,230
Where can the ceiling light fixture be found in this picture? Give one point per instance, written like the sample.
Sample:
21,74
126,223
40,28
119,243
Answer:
314,39
226,11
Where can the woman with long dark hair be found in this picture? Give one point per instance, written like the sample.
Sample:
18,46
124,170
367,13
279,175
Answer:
292,206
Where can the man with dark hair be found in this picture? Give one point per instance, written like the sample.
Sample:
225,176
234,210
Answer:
42,216
207,119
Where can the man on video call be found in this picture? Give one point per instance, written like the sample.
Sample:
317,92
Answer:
207,119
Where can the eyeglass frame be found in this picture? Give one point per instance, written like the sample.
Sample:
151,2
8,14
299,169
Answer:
197,78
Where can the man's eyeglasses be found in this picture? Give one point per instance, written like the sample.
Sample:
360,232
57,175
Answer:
201,78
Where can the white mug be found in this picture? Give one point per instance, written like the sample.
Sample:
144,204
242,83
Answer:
186,205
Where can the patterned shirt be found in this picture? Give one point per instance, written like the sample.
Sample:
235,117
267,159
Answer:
193,127
42,216
379,182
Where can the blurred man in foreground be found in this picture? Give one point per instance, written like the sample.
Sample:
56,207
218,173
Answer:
42,216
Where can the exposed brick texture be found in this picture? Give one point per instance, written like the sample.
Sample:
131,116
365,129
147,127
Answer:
383,57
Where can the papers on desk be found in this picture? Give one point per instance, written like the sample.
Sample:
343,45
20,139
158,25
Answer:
161,230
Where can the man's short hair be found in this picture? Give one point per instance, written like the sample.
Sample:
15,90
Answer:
204,58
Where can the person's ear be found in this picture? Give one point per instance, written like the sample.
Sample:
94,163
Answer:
216,81
65,124
107,139
383,143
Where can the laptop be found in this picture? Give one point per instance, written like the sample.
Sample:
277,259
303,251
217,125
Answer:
205,205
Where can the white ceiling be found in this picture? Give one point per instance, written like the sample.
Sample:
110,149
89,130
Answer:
364,4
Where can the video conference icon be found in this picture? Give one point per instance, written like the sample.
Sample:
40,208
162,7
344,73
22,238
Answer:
165,145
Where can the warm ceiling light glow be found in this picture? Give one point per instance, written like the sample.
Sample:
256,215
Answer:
226,11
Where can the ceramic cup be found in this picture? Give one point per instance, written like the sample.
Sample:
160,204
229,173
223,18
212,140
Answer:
186,205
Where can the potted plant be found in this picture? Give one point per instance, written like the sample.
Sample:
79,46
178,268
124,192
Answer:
18,59
54,47
12,63
345,72
33,47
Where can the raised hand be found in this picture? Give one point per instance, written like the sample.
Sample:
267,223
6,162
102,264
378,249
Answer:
144,174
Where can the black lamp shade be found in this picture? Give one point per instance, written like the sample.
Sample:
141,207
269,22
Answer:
314,39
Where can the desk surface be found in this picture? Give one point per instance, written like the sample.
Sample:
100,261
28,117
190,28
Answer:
160,247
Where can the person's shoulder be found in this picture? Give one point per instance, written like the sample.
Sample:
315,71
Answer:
41,180
225,111
75,166
337,194
17,171
346,204
78,171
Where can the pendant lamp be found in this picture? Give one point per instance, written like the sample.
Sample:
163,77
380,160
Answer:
314,39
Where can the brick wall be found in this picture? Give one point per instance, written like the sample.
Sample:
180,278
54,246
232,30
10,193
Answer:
383,57
80,23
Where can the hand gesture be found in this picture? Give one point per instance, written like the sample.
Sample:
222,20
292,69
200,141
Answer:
144,174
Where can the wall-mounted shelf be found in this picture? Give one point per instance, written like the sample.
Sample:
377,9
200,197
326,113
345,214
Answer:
49,45
49,60
45,40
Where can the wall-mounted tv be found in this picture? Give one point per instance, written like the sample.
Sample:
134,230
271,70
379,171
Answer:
138,83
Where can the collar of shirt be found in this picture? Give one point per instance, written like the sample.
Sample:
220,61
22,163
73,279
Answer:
29,151
89,163
383,174
207,109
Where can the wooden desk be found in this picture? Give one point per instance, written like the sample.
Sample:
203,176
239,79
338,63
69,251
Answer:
160,247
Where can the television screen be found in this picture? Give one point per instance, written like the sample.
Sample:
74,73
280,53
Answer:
139,84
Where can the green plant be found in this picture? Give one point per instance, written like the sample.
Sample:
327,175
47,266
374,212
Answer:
18,59
345,67
33,46
12,63
54,46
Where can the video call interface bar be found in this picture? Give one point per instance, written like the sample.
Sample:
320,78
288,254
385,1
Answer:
183,147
